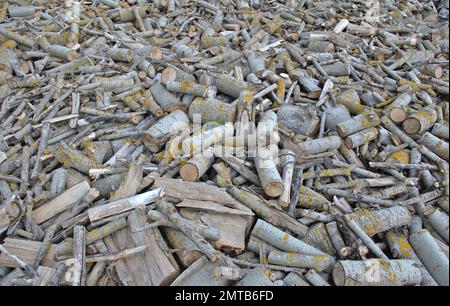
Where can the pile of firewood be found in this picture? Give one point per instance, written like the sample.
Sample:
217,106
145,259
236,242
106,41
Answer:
224,142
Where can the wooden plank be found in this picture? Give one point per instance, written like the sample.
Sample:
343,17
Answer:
214,207
122,205
232,230
62,202
27,250
160,268
45,277
200,273
193,191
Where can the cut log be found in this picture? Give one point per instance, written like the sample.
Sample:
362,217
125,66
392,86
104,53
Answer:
161,131
165,99
420,121
400,272
358,123
268,173
212,109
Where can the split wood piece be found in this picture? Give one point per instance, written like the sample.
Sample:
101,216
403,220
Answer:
268,173
79,252
27,251
61,203
431,256
160,219
200,273
420,121
236,209
400,248
124,204
130,185
194,191
256,277
232,230
99,267
396,272
30,271
210,109
161,270
378,221
45,276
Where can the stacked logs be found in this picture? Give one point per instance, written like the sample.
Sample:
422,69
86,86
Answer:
204,142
